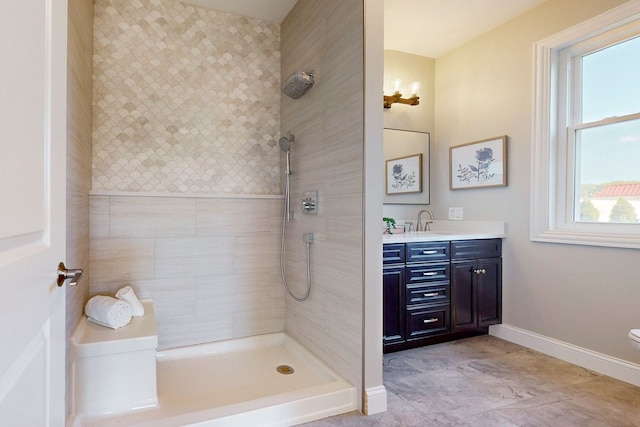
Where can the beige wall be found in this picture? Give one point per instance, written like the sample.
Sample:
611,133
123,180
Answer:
79,64
327,156
186,100
375,393
586,296
409,68
209,264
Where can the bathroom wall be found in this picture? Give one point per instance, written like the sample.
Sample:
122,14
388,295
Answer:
186,100
186,200
327,156
581,295
79,71
409,68
209,264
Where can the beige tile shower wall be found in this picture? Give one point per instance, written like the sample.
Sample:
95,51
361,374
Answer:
327,156
186,100
78,184
210,264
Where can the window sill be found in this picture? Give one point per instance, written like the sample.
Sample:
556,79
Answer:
570,237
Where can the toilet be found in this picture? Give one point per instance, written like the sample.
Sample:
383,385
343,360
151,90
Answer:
634,337
114,370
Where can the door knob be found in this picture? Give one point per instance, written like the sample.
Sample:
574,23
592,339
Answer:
75,274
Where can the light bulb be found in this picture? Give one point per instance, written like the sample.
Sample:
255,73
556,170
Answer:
415,88
396,85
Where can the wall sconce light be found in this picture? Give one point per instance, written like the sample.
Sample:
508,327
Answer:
414,99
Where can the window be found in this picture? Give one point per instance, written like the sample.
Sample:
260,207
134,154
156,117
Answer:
586,140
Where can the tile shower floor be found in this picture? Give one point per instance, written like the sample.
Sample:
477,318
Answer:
486,381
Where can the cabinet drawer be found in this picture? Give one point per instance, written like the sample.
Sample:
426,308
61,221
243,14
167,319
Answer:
474,249
428,321
393,253
435,272
427,251
428,294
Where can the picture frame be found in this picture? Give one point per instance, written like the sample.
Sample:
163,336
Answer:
404,174
398,143
478,164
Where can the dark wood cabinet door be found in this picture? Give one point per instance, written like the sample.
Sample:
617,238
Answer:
393,308
489,291
463,302
476,293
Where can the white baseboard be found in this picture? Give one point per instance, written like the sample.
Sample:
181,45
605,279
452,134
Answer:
375,400
598,362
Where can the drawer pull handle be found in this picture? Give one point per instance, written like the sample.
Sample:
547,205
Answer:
432,320
431,294
429,252
430,273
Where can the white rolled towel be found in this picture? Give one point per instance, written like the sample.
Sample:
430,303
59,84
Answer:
108,311
127,294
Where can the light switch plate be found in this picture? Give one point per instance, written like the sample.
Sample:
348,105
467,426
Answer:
455,214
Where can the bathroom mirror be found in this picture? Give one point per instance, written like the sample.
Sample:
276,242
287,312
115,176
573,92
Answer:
400,149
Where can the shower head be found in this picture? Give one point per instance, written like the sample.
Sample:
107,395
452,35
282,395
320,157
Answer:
284,144
298,84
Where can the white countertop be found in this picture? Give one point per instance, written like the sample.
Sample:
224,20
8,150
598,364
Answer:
434,236
451,230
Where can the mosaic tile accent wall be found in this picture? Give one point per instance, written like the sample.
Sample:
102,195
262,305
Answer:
185,100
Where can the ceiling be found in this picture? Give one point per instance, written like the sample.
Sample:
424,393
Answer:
433,27
423,27
267,10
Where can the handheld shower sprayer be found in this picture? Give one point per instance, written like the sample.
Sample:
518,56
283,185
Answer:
285,145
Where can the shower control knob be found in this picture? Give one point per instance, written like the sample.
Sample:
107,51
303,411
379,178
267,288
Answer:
308,205
310,202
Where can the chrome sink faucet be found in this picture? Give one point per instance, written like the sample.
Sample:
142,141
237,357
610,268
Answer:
427,224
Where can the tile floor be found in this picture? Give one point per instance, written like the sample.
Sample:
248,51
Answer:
486,381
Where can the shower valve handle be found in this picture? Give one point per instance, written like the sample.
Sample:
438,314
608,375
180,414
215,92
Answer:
310,202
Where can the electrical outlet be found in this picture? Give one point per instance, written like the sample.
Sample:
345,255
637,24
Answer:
455,214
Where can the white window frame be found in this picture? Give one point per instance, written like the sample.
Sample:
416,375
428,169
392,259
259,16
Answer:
551,183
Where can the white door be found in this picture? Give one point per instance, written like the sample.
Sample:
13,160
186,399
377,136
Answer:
33,37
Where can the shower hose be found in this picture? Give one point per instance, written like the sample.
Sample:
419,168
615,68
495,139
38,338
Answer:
282,251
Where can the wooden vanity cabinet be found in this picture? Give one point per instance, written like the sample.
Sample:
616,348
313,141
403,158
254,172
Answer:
476,284
393,288
427,289
416,293
440,291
